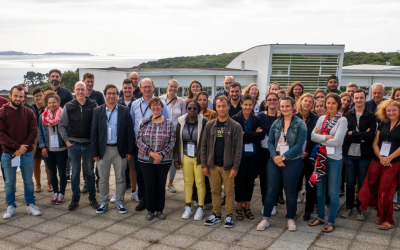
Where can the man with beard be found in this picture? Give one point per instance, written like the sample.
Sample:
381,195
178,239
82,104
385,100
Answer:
18,131
55,79
227,82
333,85
26,91
235,91
134,76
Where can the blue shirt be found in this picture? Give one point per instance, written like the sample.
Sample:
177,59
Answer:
247,127
112,121
141,111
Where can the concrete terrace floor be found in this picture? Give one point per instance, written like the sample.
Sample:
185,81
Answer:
59,228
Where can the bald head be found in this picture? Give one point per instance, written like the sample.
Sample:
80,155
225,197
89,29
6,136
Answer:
147,88
134,76
80,90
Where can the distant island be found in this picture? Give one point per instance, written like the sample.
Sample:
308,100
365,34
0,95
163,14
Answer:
17,53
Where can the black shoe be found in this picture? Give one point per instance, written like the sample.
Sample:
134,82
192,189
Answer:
93,203
141,206
212,220
281,200
228,221
74,204
161,215
101,209
306,216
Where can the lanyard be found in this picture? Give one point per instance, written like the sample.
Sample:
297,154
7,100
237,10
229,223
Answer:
283,128
108,118
141,111
188,128
390,131
247,124
171,100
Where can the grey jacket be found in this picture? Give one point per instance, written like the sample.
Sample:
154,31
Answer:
233,136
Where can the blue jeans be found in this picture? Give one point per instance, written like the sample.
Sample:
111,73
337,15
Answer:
333,173
356,167
74,152
290,175
10,174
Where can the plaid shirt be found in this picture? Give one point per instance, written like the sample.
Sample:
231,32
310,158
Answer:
156,137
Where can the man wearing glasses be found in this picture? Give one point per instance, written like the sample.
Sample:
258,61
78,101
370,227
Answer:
227,83
140,111
18,131
75,129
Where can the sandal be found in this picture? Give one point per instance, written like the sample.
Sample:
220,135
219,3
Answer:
239,214
316,222
327,228
386,226
249,215
378,222
396,207
38,188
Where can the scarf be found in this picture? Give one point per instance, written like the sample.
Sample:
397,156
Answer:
50,119
318,155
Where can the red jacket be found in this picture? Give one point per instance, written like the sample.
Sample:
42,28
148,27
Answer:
3,101
17,127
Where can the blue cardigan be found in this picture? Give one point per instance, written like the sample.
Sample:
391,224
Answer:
44,135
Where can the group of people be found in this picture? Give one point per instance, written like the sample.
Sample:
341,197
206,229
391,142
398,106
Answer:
293,141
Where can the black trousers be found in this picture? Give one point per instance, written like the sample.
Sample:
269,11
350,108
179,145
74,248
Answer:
263,156
155,178
311,193
244,180
54,161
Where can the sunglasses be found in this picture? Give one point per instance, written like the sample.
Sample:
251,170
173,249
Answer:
190,108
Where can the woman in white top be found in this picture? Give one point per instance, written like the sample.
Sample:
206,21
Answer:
329,134
175,106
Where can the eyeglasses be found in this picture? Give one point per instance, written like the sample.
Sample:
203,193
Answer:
190,108
272,100
111,94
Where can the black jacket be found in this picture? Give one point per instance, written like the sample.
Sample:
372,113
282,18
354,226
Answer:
253,136
310,123
80,118
122,102
367,121
64,94
125,135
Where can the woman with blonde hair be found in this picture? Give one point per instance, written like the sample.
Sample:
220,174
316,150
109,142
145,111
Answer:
296,90
380,184
319,107
346,101
252,90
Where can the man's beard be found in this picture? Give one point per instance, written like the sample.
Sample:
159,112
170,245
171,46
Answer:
16,105
55,82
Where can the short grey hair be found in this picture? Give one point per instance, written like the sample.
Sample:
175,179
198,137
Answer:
378,84
230,77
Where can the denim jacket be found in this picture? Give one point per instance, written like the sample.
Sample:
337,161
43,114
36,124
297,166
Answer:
44,136
296,136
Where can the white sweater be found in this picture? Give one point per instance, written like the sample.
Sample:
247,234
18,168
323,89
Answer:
339,131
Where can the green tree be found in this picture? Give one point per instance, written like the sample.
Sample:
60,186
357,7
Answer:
68,79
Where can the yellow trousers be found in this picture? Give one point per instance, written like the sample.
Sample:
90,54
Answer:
192,172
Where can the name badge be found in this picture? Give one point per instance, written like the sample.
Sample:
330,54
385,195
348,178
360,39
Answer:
54,141
304,146
283,149
264,143
16,161
108,133
330,150
385,149
190,149
248,147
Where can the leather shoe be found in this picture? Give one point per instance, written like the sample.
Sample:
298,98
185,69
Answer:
306,216
141,206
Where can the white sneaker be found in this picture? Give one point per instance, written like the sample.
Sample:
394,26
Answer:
291,225
34,210
10,212
273,211
188,212
199,214
113,198
135,196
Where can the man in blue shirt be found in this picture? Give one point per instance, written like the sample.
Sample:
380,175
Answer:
112,143
227,83
140,111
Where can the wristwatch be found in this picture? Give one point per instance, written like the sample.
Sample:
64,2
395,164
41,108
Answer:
283,157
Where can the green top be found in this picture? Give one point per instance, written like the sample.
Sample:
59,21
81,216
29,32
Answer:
338,91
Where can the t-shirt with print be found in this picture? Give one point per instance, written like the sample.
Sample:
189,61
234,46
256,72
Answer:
355,149
219,145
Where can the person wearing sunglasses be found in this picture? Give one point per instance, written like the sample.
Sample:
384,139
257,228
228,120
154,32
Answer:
187,156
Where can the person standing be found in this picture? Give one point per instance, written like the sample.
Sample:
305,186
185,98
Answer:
378,91
140,111
63,93
329,134
2,102
127,89
380,184
221,152
189,131
252,136
75,128
296,90
333,85
225,91
112,141
351,88
175,106
155,140
273,87
357,149
195,87
202,99
52,146
134,76
18,132
235,90
252,90
285,144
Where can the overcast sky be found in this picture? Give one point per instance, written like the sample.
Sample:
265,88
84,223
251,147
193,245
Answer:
195,27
